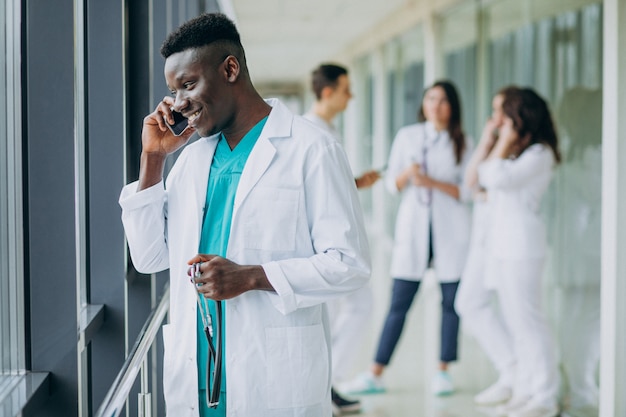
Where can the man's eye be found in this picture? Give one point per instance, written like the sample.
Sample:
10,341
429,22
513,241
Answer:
188,85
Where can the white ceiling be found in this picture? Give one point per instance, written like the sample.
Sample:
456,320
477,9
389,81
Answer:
285,39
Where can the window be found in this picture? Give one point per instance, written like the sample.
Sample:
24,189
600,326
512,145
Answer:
459,42
12,359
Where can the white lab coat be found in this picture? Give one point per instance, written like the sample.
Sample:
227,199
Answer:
451,219
515,189
516,254
480,317
323,124
297,214
350,315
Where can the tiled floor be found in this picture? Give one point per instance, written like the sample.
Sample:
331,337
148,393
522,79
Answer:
407,377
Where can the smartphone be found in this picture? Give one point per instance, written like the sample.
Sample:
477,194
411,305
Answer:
180,123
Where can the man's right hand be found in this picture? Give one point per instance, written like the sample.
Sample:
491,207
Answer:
156,137
157,142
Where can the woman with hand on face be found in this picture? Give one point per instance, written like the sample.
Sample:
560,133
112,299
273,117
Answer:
516,175
474,302
426,167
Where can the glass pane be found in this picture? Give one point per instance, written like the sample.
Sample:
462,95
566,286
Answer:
459,41
411,86
459,27
11,276
5,339
461,70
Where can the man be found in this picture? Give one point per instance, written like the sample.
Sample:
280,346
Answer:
264,209
331,86
349,315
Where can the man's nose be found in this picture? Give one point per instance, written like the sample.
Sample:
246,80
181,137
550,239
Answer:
180,102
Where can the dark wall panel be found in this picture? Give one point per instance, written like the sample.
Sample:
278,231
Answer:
105,103
49,159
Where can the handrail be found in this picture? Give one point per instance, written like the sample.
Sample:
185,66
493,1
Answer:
116,397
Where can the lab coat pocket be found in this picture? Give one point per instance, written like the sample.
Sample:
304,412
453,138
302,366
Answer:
297,366
271,220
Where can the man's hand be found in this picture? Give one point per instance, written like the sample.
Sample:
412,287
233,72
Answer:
367,179
157,142
221,279
156,138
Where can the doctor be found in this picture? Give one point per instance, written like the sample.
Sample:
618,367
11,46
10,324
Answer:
516,175
265,207
349,315
426,166
480,316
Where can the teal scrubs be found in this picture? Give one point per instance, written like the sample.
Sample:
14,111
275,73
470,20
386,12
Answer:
226,169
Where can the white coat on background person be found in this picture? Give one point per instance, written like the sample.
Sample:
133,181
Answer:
426,166
419,208
349,315
515,264
517,247
475,302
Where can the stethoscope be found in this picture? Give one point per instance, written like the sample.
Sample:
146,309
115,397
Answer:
425,197
215,349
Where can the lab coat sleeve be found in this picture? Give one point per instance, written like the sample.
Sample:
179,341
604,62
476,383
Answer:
465,192
397,161
144,219
341,263
508,174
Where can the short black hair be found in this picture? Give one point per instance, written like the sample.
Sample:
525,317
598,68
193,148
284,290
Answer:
326,75
201,31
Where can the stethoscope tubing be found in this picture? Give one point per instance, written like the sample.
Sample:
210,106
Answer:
213,379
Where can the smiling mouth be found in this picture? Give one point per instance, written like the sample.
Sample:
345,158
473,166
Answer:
194,116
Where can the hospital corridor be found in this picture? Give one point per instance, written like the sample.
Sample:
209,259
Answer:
408,380
312,208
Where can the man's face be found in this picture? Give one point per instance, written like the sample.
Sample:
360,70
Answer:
198,81
341,94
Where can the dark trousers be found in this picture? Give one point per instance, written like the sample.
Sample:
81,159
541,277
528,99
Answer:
402,296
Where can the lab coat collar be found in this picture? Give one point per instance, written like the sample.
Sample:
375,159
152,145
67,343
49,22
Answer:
279,122
278,125
432,136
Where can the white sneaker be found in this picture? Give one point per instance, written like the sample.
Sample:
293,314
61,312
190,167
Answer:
497,393
532,410
514,404
442,384
364,383
583,411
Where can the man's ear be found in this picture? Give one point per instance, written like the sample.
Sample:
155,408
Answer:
232,68
327,92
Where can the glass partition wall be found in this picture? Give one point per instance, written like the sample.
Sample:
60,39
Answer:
459,32
12,356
